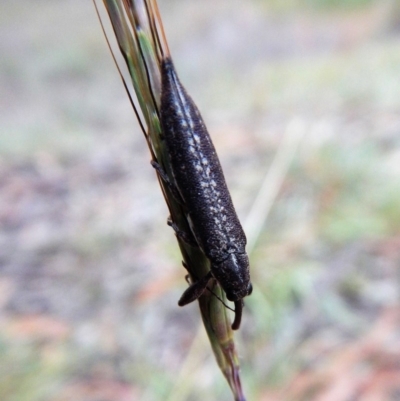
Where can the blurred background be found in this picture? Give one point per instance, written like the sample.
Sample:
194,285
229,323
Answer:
302,98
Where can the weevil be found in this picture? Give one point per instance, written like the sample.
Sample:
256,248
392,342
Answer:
199,182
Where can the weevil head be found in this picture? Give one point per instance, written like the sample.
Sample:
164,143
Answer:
233,275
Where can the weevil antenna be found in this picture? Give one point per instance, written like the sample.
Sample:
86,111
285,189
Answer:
187,278
222,302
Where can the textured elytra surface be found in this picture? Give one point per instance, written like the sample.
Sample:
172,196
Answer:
199,178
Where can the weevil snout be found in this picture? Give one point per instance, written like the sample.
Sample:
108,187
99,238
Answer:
234,277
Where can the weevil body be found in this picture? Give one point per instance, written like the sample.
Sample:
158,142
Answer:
199,179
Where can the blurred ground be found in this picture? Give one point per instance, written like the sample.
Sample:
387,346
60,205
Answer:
90,273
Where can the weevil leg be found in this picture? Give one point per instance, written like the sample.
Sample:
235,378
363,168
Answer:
161,172
164,177
195,290
187,276
184,236
238,314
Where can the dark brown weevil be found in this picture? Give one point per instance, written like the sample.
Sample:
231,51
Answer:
199,182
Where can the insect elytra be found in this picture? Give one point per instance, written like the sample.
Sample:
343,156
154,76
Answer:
200,183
